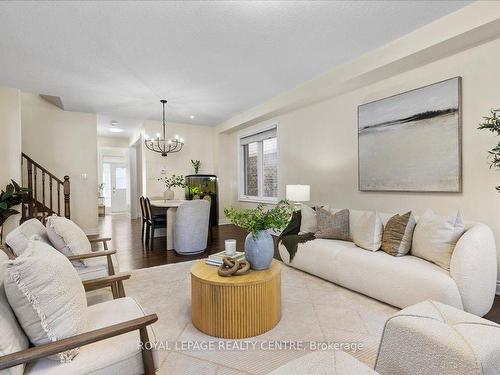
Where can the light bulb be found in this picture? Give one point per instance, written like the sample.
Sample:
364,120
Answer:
146,136
169,141
191,117
176,137
157,135
182,140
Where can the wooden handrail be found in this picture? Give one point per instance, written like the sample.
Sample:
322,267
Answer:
35,205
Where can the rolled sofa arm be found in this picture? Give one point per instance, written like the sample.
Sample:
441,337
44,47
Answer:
474,268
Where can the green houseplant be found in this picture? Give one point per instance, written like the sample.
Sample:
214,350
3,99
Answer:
196,165
259,245
13,195
171,182
492,123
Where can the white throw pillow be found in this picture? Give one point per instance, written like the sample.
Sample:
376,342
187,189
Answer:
46,295
12,337
435,237
67,237
308,220
19,237
367,231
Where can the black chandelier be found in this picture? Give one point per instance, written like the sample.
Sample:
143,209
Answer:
163,145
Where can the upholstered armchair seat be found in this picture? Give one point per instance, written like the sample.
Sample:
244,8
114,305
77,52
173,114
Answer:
96,267
117,355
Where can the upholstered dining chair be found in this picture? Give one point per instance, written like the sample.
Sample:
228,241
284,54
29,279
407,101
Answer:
191,227
208,198
154,222
144,220
113,342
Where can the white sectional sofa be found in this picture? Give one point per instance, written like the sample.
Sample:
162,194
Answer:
403,281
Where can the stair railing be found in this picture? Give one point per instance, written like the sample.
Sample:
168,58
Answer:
45,196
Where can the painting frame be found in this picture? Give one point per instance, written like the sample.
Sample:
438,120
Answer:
459,130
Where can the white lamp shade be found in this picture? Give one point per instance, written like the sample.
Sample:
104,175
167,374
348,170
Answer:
298,193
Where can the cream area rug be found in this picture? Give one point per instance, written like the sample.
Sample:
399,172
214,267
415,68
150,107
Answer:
316,315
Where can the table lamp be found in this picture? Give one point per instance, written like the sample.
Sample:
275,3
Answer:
298,193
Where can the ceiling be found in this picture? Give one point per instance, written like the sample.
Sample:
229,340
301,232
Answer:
211,60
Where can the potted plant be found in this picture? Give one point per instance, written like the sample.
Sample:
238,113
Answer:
196,165
492,123
12,196
171,182
259,245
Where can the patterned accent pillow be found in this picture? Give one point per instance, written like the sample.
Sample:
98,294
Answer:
398,234
333,226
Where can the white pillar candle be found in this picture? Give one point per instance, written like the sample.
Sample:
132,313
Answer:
230,247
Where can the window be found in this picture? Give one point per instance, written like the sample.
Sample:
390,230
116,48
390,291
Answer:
259,166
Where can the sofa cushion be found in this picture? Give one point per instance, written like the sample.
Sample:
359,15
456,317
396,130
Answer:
12,337
308,220
117,355
398,234
67,237
367,231
47,295
19,237
333,225
435,237
399,281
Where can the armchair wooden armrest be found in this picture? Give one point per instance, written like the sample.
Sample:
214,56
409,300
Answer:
114,281
104,241
45,350
93,254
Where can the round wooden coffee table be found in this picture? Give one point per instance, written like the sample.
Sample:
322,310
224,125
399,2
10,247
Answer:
237,306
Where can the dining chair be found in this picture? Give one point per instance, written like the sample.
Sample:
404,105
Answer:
154,221
143,217
191,227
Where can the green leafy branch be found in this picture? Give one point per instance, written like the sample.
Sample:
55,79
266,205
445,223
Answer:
256,219
13,195
492,123
173,181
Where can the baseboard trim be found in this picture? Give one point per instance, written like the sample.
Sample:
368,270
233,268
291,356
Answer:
498,287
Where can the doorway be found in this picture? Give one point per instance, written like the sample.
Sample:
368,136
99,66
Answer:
115,179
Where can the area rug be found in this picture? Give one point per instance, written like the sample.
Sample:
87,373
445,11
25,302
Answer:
316,315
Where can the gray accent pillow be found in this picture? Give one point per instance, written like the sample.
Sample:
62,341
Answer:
47,296
398,234
19,237
333,226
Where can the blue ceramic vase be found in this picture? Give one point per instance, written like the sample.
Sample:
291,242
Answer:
259,251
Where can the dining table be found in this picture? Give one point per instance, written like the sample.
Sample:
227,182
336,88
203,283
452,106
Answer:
170,205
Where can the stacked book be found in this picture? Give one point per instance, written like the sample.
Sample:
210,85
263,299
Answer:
216,259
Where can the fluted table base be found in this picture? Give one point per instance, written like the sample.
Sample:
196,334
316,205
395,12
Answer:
238,306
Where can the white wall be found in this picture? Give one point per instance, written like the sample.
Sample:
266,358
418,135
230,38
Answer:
199,145
66,144
10,143
318,143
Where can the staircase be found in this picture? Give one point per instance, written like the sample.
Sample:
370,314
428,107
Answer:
48,194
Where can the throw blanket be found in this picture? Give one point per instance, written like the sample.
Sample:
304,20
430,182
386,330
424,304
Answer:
290,237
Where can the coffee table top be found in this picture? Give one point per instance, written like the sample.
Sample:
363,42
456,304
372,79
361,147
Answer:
208,274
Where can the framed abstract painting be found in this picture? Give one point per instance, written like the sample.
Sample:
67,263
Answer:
412,141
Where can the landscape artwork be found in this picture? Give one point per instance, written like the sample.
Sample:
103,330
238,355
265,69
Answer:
412,141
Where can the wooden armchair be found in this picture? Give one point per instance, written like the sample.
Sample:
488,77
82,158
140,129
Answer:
109,344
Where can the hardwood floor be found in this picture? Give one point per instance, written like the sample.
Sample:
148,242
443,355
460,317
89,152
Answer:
126,238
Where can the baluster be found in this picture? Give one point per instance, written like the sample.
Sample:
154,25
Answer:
30,186
58,199
50,195
66,197
43,192
35,208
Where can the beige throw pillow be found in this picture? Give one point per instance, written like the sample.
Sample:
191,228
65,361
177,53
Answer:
46,295
333,226
67,237
308,220
398,234
435,237
368,230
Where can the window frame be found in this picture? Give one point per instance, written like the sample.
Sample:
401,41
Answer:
242,197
